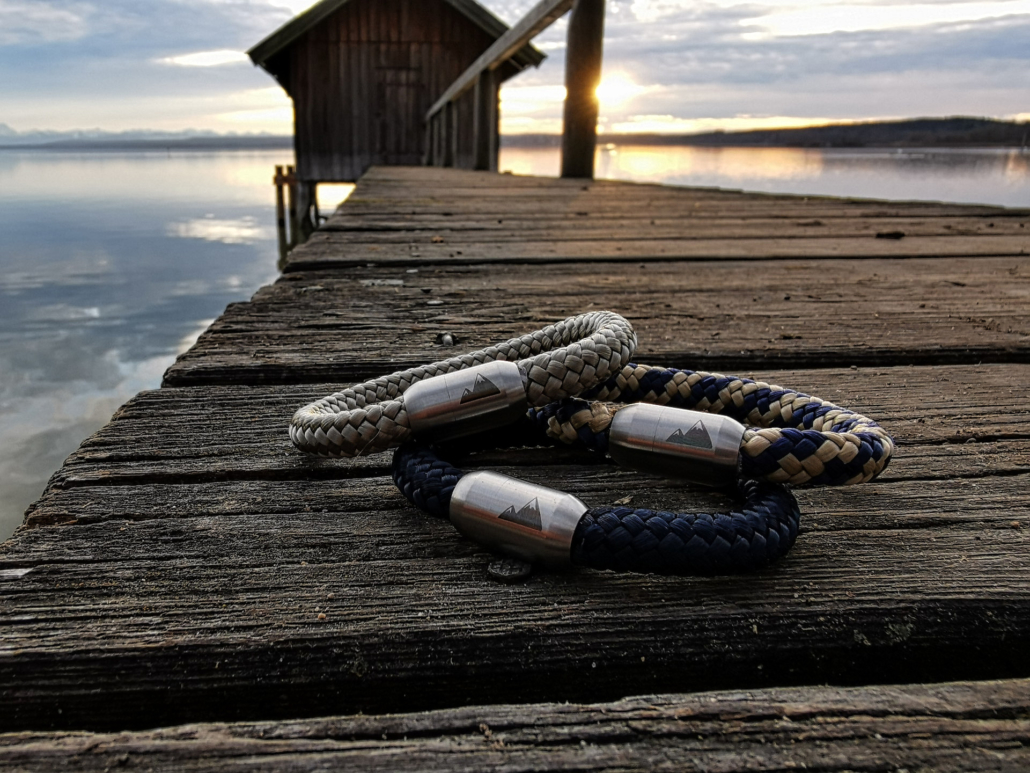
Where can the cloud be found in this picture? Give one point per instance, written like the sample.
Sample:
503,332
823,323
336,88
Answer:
700,66
37,21
73,64
119,74
854,17
207,58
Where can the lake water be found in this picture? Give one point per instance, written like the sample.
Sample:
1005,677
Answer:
113,263
982,176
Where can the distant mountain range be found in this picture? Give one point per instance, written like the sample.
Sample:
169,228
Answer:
96,139
914,133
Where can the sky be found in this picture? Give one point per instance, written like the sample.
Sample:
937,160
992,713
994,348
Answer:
669,65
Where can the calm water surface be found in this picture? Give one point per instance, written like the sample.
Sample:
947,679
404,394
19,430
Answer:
111,264
982,177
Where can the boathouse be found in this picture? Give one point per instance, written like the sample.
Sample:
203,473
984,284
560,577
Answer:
363,73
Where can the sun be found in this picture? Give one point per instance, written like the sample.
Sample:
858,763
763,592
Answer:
616,89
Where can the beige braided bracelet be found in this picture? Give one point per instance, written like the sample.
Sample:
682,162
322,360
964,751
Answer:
561,360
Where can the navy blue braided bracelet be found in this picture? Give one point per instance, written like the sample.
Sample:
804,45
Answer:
762,530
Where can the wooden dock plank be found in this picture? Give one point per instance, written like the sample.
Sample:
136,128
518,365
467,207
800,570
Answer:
340,231
948,727
208,433
836,510
324,252
441,217
718,315
130,620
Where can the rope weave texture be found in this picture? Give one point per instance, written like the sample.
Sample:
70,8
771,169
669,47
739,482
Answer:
761,530
560,360
792,437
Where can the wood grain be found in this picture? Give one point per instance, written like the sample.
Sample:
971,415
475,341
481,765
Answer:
354,324
136,617
325,252
949,413
341,231
948,727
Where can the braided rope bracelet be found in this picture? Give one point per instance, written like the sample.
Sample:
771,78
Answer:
538,524
802,439
561,360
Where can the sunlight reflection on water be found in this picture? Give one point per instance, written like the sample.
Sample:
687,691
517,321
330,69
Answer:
968,176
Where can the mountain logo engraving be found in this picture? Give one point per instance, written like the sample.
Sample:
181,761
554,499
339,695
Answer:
483,387
695,437
528,515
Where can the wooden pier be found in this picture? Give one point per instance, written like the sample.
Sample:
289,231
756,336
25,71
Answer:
187,565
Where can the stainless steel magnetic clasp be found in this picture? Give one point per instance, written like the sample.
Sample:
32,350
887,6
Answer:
466,401
521,519
699,447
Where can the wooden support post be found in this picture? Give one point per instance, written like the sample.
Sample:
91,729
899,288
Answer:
496,141
438,139
292,201
280,213
307,208
484,122
450,133
427,151
583,54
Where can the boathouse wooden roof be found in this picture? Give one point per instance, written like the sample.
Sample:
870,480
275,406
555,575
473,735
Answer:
264,53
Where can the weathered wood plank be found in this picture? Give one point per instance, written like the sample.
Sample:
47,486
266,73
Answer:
418,183
128,620
437,198
351,230
439,216
325,253
433,198
948,727
961,415
351,325
897,502
213,543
